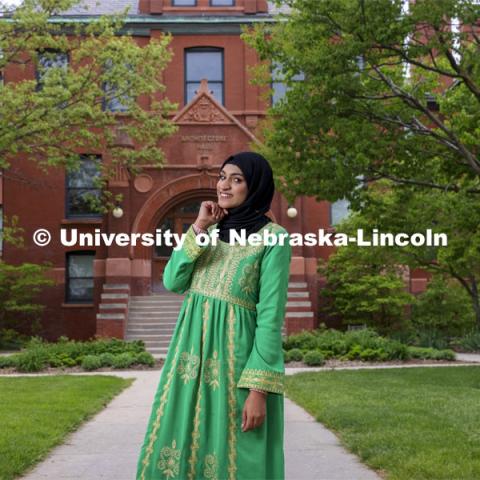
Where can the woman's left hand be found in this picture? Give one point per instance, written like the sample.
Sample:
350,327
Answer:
254,411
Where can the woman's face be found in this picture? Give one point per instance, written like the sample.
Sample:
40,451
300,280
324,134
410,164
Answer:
232,189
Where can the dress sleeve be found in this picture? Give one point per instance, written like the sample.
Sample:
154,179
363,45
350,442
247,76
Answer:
177,274
265,366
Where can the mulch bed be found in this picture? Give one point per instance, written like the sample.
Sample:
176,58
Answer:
331,363
334,363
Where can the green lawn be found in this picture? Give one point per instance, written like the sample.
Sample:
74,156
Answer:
411,423
36,413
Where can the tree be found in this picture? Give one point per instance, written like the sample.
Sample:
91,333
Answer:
399,209
389,92
365,285
86,73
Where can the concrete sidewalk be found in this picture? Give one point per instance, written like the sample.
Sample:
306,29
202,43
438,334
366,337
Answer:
107,447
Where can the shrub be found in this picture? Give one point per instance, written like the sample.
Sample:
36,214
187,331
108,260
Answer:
371,354
396,350
107,359
145,358
295,355
314,357
443,310
7,361
123,360
471,341
32,360
11,340
91,362
305,339
354,352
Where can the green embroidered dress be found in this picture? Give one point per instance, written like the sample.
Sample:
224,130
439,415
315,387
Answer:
226,340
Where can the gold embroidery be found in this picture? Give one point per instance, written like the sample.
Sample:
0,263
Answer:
192,249
211,467
196,422
232,411
169,461
188,367
214,272
163,398
264,379
249,280
212,371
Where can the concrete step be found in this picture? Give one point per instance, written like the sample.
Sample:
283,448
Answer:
110,316
297,284
307,304
299,294
299,314
114,296
110,306
116,286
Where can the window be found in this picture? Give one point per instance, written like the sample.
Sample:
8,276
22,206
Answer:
81,186
222,3
204,62
79,277
113,102
184,3
50,61
279,87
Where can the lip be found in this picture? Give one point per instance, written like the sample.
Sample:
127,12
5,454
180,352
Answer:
221,195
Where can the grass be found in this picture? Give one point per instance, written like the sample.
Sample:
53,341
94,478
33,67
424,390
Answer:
408,424
37,413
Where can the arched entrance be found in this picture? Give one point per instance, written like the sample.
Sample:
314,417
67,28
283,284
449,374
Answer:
178,219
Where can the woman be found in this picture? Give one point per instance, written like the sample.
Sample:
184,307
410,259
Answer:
218,411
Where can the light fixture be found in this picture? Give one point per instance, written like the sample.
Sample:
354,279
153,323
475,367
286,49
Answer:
292,211
117,212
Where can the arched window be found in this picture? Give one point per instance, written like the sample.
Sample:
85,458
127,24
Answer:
204,62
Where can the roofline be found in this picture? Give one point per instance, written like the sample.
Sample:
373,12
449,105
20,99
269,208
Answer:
152,20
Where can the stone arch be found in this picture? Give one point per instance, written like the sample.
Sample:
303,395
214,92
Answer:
163,199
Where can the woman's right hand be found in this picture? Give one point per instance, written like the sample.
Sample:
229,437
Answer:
209,214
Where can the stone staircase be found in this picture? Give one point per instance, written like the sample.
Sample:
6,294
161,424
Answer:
152,318
113,309
299,307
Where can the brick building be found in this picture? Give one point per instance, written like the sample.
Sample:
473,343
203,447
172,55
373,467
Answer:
117,291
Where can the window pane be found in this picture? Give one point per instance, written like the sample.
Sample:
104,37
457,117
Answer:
221,3
204,65
78,201
80,266
84,176
164,250
192,207
183,3
214,87
80,289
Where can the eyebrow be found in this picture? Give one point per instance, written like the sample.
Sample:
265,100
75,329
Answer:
239,174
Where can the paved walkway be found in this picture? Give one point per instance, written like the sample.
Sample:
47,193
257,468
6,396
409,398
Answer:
107,447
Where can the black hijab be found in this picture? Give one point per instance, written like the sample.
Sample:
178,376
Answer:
250,215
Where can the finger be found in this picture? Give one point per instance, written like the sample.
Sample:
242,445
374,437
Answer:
244,418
